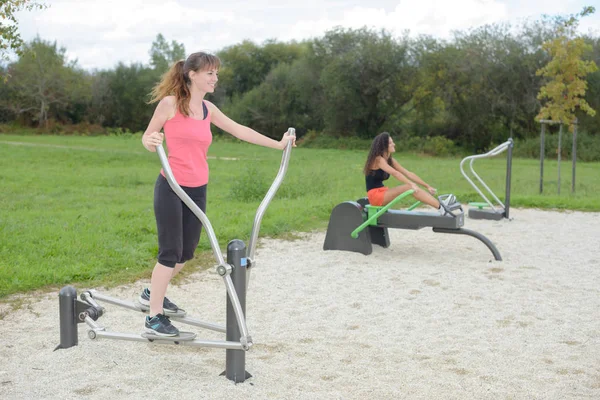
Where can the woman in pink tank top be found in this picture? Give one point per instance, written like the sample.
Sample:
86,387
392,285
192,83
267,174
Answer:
185,117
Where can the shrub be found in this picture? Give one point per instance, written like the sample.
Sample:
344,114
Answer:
588,146
439,146
250,186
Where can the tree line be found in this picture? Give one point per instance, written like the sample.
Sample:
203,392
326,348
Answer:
476,89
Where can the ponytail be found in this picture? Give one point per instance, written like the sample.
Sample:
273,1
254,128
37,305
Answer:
174,82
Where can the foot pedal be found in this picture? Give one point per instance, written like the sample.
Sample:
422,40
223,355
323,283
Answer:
452,206
479,205
178,313
455,206
182,337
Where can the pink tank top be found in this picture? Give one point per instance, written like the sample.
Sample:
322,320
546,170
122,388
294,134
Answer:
188,140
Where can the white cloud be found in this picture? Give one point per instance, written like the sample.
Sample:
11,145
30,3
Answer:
436,17
100,33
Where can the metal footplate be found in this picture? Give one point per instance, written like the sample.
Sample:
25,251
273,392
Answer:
182,337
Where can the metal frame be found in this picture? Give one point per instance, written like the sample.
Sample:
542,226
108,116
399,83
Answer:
500,210
347,216
235,274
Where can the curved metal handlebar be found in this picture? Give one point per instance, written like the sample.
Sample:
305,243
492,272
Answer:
269,196
190,203
204,219
494,152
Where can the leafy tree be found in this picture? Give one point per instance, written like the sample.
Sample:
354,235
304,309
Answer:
123,100
163,54
366,77
592,94
10,39
285,98
566,72
246,65
44,83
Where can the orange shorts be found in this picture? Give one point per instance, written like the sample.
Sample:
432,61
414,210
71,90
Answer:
376,196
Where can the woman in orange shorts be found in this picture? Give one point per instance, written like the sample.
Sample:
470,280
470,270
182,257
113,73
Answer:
380,166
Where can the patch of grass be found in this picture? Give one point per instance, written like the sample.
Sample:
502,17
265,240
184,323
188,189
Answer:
79,210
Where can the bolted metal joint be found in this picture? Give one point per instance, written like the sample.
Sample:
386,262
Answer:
85,296
224,269
92,312
246,342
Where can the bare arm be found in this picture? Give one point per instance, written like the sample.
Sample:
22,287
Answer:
243,132
380,162
412,176
153,136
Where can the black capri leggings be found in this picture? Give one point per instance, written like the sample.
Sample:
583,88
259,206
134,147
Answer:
178,227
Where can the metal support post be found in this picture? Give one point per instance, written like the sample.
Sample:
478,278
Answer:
542,154
508,179
67,300
574,155
559,151
235,360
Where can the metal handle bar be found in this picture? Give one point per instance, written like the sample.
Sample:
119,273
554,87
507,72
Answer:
235,301
354,234
192,206
497,150
269,196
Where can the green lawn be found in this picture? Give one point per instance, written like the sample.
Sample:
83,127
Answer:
78,210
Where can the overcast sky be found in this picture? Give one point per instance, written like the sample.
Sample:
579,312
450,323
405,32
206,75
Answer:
100,33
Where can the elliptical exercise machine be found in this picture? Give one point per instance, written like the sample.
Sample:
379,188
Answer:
235,273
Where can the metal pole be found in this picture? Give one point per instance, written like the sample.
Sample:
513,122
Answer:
574,155
508,178
235,360
542,151
285,159
210,232
252,242
67,298
559,149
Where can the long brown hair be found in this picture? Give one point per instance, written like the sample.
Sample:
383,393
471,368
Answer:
379,147
176,81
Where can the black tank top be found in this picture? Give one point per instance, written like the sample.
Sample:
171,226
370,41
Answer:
375,179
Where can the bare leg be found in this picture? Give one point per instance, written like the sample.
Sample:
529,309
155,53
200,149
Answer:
161,276
177,268
422,195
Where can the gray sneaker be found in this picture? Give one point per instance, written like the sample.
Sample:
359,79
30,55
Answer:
168,306
160,325
446,201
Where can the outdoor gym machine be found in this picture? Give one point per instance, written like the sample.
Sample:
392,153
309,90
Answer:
488,210
357,225
234,273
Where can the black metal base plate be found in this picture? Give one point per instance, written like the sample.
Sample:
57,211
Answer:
475,213
246,376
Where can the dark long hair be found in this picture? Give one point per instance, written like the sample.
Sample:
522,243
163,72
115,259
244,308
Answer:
379,147
176,80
